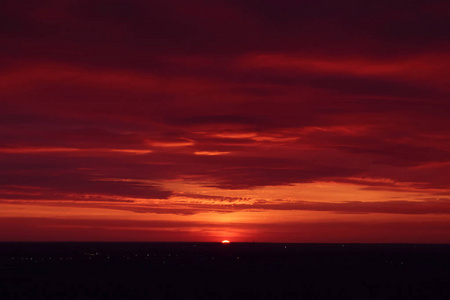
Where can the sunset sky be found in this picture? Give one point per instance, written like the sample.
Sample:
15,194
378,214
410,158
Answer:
246,120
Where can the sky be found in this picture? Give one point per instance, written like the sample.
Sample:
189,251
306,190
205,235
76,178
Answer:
249,120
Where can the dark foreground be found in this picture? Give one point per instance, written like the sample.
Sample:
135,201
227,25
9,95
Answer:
216,271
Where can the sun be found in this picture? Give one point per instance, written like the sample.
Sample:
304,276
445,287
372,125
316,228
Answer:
225,242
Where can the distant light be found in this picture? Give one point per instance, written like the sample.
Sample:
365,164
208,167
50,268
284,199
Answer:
225,242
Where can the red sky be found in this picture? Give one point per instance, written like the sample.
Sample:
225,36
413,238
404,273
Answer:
249,120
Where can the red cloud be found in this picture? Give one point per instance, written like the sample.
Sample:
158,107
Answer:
107,101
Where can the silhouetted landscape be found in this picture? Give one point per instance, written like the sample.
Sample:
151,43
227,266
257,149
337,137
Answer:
69,270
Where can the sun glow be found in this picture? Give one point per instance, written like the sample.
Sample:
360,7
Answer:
225,242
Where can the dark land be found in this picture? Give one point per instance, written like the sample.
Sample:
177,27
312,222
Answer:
69,270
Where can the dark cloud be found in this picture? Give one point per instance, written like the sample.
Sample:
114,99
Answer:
79,184
386,28
436,206
39,229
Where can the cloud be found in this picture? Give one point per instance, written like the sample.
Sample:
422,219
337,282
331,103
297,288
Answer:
211,153
56,229
105,101
436,206
82,185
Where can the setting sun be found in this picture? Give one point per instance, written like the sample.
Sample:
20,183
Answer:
225,242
